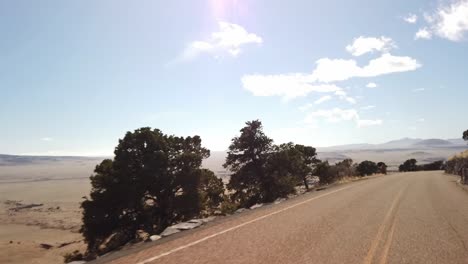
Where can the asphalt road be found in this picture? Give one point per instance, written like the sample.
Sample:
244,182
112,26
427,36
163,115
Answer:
403,218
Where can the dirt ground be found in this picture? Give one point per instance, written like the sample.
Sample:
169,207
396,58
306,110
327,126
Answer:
54,220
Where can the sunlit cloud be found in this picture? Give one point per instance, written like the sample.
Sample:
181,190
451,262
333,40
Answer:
447,21
344,96
228,41
327,71
371,85
288,86
330,70
363,45
411,18
336,115
322,99
423,33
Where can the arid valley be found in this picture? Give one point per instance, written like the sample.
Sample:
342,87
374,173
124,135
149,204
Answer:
39,196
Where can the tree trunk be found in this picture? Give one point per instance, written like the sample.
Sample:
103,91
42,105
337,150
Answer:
305,183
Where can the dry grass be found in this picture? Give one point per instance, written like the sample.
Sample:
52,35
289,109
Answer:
462,155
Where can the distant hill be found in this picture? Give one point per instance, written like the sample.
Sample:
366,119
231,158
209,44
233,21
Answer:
457,141
404,143
18,160
433,143
400,143
395,152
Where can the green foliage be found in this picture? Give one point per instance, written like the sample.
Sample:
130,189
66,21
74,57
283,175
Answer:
382,168
367,168
211,191
261,171
345,168
325,173
456,164
330,173
153,181
304,159
282,167
436,165
409,165
247,158
228,207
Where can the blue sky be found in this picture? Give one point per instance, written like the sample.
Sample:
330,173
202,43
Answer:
76,75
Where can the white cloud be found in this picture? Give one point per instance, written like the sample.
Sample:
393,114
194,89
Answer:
322,99
449,22
421,120
344,96
229,39
47,139
411,18
368,107
288,86
388,63
423,33
419,90
371,85
293,85
363,45
330,70
337,115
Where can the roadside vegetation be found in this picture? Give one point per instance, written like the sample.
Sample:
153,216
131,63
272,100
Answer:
156,180
458,164
411,165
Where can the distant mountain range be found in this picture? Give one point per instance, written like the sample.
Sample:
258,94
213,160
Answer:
395,152
404,143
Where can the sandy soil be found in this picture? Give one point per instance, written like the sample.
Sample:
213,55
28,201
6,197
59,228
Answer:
56,222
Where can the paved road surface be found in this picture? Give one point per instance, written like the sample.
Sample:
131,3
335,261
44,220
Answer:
403,218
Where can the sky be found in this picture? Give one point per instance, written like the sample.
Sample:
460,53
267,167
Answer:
76,75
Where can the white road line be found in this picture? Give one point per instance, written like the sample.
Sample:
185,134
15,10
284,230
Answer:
237,227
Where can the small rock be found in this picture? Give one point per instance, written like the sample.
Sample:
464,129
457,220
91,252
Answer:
240,210
195,221
279,200
255,206
169,231
45,246
11,241
154,237
208,219
187,225
218,212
